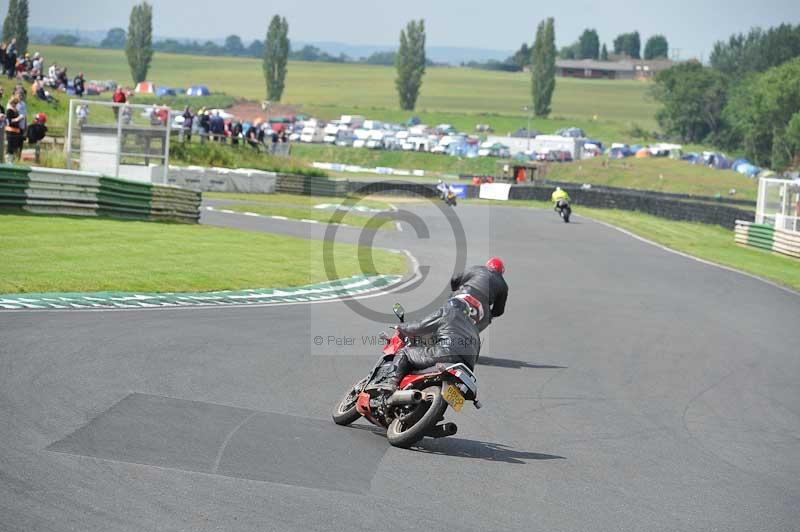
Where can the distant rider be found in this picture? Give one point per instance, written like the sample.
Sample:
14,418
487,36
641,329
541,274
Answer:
442,187
450,336
559,195
487,285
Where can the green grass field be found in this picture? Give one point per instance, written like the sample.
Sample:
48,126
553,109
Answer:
64,254
656,173
460,96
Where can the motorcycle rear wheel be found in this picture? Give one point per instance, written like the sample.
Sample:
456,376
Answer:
403,436
346,412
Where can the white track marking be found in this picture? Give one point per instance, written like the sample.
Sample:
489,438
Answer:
692,257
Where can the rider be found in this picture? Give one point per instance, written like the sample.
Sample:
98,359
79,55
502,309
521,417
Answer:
486,284
559,195
450,336
441,186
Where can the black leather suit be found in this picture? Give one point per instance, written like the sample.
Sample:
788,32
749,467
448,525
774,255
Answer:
487,286
448,335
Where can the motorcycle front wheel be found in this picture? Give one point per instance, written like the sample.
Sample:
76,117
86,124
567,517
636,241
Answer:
345,412
408,429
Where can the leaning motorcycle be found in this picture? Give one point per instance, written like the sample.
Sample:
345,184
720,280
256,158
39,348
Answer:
564,210
420,402
450,198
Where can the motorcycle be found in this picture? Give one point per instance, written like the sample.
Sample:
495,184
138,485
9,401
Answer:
420,402
564,210
450,198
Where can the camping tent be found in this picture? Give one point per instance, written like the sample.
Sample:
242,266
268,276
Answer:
198,90
641,154
145,87
165,91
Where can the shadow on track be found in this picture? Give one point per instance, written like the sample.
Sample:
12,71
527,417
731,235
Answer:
513,364
492,452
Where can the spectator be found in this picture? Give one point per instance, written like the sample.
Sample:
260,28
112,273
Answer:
11,58
3,56
218,127
62,78
205,124
163,115
236,133
284,137
78,85
252,137
22,107
39,91
82,113
37,69
38,130
52,75
119,97
14,136
188,119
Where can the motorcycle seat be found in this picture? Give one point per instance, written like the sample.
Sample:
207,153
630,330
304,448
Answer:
431,369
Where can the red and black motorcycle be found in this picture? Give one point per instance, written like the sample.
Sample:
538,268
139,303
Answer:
419,404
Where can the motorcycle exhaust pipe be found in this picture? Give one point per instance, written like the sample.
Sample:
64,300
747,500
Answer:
443,430
404,397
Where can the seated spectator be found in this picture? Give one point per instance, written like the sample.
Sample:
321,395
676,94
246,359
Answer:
62,79
39,91
37,67
236,133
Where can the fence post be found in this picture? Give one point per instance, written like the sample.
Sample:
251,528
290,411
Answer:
37,152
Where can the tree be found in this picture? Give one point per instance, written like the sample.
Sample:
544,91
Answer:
693,98
521,57
10,22
382,58
256,48
139,45
629,44
604,53
656,47
567,52
410,63
543,69
115,38
589,45
233,45
763,115
64,39
276,55
757,51
21,26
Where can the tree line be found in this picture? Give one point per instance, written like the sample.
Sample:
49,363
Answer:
586,47
747,99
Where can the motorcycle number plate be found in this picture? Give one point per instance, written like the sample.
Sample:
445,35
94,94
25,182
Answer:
453,397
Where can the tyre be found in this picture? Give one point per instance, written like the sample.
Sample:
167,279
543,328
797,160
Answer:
345,412
408,430
566,213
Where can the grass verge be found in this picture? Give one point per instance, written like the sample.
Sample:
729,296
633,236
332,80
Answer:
63,254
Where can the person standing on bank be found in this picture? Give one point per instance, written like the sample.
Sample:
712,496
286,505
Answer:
14,136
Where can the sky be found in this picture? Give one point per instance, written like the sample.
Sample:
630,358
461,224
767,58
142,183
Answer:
691,26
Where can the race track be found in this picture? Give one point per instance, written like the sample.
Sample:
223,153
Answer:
626,388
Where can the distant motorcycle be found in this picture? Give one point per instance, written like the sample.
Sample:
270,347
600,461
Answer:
564,210
419,404
450,198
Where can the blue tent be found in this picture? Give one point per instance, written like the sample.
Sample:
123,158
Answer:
198,90
165,91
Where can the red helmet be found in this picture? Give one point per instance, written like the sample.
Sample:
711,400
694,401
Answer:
496,265
41,118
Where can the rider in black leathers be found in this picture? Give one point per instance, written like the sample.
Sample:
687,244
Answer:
447,335
486,283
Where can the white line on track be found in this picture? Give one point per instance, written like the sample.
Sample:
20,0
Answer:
692,257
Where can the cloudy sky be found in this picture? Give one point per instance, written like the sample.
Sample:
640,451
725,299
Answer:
690,25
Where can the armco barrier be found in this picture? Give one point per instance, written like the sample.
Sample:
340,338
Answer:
310,185
62,192
664,207
768,238
222,179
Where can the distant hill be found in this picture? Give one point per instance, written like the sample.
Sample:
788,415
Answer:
453,55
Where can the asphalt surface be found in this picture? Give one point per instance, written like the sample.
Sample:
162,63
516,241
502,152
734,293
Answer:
626,388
